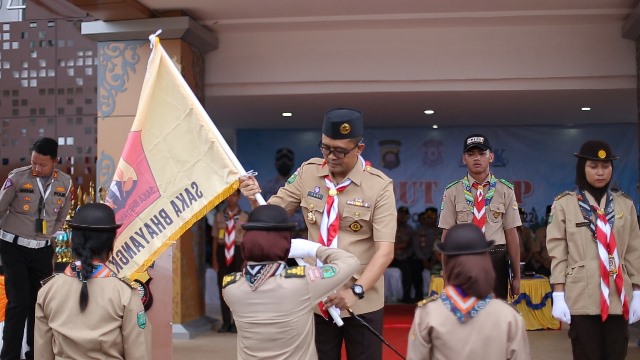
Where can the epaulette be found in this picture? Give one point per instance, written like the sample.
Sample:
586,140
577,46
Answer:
622,193
20,169
314,161
129,283
450,185
294,272
509,185
427,300
562,195
230,279
44,281
373,171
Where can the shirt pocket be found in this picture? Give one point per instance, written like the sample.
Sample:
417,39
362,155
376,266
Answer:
496,212
463,214
312,208
357,220
25,203
576,286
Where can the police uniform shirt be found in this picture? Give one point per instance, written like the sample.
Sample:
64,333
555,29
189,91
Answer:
113,326
19,200
276,320
497,332
405,236
574,252
502,213
367,214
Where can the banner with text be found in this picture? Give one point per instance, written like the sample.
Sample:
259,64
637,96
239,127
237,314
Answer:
175,166
538,160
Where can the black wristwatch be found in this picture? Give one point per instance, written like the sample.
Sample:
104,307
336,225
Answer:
358,290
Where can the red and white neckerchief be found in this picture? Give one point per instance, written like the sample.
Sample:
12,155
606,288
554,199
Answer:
230,237
609,265
479,213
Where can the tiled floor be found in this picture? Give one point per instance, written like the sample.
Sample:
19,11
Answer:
545,345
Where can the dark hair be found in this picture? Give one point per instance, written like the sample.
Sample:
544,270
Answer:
85,246
47,147
582,183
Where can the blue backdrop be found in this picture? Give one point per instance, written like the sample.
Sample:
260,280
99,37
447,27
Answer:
422,161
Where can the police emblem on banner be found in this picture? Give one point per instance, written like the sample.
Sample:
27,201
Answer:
390,153
432,152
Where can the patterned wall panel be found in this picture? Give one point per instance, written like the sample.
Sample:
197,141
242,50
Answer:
48,88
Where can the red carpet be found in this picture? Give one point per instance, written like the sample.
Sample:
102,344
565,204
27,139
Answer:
396,325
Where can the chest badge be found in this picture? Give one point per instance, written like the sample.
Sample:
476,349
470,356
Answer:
311,218
496,215
355,226
25,207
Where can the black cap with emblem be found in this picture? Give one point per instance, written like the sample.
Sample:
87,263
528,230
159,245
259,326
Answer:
269,218
476,140
596,150
342,123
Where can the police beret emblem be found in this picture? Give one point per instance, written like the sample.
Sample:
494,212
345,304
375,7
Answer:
602,154
355,226
345,129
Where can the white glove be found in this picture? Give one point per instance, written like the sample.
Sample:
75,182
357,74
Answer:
634,308
302,248
560,309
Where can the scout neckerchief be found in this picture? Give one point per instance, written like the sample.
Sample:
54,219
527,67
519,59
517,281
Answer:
602,230
100,270
330,223
479,204
463,306
230,236
257,274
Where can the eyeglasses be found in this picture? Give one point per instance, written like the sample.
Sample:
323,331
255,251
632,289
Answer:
337,153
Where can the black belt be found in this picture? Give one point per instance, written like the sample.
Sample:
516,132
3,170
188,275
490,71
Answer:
498,249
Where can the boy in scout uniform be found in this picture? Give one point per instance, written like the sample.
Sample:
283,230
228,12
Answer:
350,206
490,204
88,312
594,243
34,203
273,304
465,321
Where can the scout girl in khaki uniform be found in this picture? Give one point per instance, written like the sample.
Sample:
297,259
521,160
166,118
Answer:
87,312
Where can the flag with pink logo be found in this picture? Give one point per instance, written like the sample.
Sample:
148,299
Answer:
174,168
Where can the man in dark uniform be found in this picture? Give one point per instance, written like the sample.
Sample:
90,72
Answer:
490,204
350,206
34,202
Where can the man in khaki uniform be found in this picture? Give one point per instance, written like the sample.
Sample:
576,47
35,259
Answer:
227,228
495,210
465,321
351,206
594,243
34,203
272,304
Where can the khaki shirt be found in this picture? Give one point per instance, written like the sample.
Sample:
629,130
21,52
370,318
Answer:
113,326
220,225
276,320
497,332
574,252
502,213
19,200
367,211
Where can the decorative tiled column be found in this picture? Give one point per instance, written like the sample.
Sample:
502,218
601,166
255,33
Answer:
123,51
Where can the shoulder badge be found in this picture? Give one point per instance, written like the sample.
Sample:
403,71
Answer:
450,185
509,185
562,195
44,281
427,300
142,319
230,279
130,283
293,177
294,272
